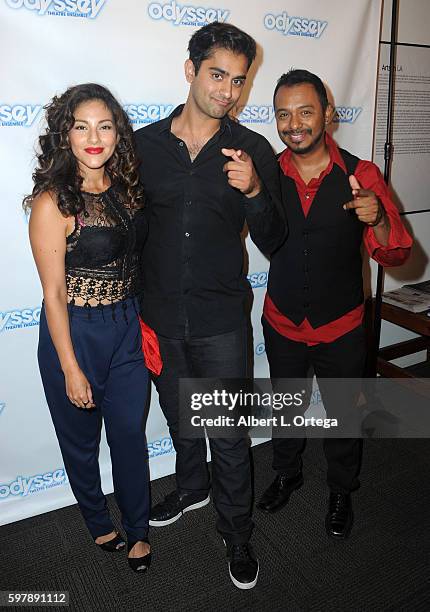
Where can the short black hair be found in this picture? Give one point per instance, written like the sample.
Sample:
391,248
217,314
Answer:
298,77
218,35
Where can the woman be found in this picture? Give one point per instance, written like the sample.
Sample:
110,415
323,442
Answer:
86,233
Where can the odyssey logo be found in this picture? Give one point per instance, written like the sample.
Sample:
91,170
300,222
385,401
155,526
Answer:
147,113
2,406
17,319
20,115
258,279
260,349
256,114
27,485
346,114
89,9
160,447
186,15
295,26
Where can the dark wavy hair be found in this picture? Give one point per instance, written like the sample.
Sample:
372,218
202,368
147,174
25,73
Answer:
218,35
298,77
57,170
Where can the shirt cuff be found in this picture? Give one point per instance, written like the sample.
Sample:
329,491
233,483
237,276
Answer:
257,204
397,238
396,251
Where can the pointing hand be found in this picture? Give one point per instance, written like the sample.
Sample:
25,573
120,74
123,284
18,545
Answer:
366,205
241,173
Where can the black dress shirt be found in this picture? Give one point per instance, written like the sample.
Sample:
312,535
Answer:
193,265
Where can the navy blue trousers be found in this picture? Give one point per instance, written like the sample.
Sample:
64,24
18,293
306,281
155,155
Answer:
109,353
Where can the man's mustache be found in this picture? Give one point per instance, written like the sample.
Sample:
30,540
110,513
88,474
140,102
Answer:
296,132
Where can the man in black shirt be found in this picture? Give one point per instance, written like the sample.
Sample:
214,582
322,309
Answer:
204,175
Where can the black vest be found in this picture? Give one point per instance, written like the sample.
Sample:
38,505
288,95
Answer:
317,273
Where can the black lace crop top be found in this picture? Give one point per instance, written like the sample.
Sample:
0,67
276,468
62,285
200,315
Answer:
103,253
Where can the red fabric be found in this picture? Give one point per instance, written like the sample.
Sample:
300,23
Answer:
151,349
305,332
394,253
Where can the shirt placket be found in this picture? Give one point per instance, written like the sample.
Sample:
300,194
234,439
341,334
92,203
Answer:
187,237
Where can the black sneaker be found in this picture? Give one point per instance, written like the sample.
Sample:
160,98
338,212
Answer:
243,565
173,507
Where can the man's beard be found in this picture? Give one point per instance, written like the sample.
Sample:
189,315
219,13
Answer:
307,149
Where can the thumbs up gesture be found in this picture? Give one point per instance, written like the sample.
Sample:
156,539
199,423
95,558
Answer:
366,204
241,173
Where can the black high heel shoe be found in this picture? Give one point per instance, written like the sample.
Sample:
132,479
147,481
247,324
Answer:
115,545
139,564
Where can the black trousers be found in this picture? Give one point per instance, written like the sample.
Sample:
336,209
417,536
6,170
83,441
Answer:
223,356
343,358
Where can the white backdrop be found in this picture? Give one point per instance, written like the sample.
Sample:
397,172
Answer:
137,49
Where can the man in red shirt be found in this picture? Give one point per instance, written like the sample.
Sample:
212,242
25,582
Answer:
313,309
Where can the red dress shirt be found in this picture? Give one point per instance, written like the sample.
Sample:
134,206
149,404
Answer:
394,253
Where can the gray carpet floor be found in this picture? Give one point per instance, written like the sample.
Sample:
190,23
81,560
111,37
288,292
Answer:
383,566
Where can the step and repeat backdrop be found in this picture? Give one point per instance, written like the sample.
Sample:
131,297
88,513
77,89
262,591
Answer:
137,49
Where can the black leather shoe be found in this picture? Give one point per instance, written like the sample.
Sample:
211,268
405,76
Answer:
279,492
173,507
243,565
339,519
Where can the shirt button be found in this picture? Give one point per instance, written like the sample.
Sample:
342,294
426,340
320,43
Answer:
180,143
307,196
187,235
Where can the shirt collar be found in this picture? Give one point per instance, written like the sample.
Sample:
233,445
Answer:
165,125
333,150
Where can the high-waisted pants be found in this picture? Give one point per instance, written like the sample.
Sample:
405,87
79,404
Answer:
108,351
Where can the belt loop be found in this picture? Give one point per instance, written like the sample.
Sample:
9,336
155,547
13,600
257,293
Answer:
71,308
88,308
100,307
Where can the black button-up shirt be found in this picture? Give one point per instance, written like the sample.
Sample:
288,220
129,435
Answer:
194,281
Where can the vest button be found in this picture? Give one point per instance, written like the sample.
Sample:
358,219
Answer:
306,288
306,305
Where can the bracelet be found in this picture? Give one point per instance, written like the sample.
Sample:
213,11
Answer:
378,218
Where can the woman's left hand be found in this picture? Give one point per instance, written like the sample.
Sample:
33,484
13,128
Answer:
78,388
